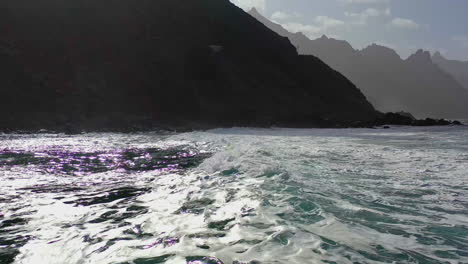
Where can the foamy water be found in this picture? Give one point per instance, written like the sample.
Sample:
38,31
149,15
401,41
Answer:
236,196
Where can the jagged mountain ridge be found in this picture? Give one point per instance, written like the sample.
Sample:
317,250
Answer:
391,84
458,69
109,63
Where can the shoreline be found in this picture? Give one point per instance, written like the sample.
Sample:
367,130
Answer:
383,123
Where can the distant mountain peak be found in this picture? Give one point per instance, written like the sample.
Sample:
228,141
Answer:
390,82
254,11
379,51
437,54
298,33
375,46
458,69
420,57
268,23
423,53
438,57
326,39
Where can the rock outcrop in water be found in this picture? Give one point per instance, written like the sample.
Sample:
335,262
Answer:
403,119
391,84
113,64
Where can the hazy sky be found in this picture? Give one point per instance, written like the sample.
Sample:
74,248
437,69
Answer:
404,25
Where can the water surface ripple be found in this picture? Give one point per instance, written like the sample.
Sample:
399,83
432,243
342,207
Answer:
236,196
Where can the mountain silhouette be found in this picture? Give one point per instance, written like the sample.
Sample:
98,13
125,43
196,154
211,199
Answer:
458,69
114,63
391,84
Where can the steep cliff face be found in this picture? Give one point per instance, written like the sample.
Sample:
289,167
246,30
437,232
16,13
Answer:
390,83
109,63
458,69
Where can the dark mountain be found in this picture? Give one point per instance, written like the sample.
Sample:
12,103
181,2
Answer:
116,63
390,83
275,27
458,69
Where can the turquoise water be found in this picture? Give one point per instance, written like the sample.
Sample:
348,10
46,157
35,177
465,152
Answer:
236,196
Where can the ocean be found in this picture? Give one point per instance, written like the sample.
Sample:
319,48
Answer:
236,196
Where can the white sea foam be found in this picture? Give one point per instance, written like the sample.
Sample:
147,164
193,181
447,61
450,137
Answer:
270,195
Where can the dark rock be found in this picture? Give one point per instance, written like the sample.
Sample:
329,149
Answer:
406,114
432,122
394,119
129,65
399,119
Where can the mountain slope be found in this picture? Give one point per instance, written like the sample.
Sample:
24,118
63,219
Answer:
390,83
458,69
110,63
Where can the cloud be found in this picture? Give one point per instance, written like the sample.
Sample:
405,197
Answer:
328,23
310,30
248,4
404,23
366,2
278,16
322,25
363,17
282,16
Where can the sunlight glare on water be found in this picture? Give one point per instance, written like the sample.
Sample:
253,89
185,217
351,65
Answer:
236,196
